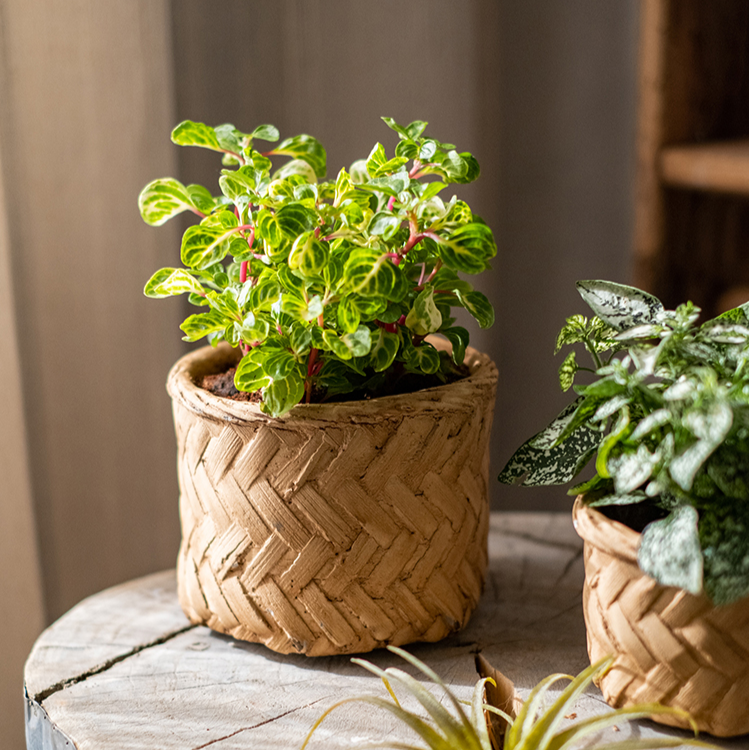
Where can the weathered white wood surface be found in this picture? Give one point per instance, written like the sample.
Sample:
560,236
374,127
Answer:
124,669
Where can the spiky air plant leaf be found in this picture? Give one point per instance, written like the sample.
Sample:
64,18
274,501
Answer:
535,726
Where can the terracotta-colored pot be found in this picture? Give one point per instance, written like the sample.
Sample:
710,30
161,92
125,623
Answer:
669,646
340,527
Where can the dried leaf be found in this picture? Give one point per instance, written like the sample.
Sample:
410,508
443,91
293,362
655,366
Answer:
502,696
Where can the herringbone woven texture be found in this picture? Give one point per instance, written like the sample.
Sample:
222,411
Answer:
670,646
341,527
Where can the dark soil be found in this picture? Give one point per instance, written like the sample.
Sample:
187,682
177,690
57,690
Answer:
636,516
222,384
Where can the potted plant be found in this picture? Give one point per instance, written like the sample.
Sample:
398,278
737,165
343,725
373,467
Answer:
665,518
343,506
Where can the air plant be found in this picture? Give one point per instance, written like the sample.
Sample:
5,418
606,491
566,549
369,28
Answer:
533,726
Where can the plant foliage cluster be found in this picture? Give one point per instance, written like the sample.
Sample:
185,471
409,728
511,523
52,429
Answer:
326,286
667,418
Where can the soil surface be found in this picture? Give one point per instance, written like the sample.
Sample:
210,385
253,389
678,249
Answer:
636,516
222,384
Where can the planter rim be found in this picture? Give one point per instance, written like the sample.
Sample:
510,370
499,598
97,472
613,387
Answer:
605,534
181,385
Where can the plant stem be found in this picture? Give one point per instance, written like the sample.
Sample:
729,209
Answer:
391,203
593,353
310,368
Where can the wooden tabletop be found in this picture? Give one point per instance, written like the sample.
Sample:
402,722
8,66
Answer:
125,669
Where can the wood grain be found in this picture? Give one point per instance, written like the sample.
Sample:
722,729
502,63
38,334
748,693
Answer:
197,689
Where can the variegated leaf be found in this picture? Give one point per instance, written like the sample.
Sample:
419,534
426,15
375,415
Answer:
424,317
168,282
670,550
620,306
710,428
308,149
533,466
189,133
162,199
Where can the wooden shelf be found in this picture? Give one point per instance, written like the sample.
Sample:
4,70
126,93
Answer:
721,167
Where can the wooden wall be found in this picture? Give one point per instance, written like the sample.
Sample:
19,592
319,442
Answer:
541,92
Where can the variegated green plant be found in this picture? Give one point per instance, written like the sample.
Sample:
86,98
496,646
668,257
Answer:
667,417
326,287
535,727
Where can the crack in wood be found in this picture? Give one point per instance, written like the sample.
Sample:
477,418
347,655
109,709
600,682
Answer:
259,724
68,682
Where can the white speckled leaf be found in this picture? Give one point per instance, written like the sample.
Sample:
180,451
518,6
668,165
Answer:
621,306
710,428
670,550
539,462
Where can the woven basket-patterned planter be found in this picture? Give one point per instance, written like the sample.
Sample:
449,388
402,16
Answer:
670,646
340,527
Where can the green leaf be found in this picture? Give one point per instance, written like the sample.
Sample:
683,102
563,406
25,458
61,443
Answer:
393,184
378,165
295,219
618,431
567,372
281,395
297,167
572,332
308,255
189,133
265,294
459,338
279,364
308,149
424,358
534,465
197,326
384,351
266,133
348,315
416,128
670,550
620,306
162,199
249,375
478,306
424,317
359,342
384,223
202,246
267,227
468,248
370,273
170,281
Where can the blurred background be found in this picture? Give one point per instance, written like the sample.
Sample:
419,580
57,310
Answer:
542,93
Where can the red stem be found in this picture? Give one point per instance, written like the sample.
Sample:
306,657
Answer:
391,203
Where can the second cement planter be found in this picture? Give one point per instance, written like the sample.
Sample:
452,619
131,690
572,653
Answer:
341,527
671,647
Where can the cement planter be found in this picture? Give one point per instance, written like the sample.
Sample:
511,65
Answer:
340,527
671,647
